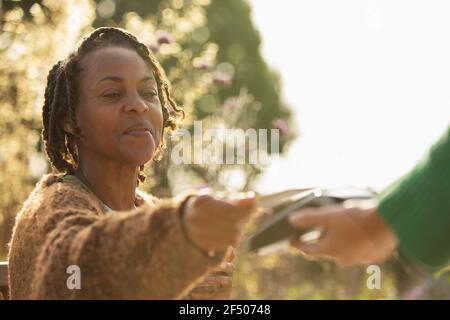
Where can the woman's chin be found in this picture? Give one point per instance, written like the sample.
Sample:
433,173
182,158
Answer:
138,150
140,156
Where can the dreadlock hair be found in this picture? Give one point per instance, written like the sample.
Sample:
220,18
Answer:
60,98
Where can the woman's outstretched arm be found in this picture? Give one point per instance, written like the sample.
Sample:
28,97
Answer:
147,253
141,254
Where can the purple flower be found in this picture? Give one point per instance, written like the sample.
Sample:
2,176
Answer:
202,64
165,37
222,78
153,47
281,125
415,293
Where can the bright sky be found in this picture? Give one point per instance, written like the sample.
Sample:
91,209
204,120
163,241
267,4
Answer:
369,82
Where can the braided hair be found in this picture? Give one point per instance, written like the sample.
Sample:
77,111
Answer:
61,97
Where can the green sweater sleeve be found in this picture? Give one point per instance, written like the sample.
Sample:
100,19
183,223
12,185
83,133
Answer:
417,208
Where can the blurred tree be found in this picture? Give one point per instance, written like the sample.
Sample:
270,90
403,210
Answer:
34,34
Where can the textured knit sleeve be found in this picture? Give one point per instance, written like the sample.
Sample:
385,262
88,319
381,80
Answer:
140,254
417,207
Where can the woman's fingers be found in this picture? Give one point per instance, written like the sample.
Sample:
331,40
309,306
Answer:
200,296
220,280
214,223
247,199
214,283
226,268
230,254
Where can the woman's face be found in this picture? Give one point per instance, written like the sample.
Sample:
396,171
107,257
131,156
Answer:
118,111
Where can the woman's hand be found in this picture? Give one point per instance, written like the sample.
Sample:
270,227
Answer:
216,286
354,233
213,223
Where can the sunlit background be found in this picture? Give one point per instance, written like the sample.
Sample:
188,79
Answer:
358,89
369,83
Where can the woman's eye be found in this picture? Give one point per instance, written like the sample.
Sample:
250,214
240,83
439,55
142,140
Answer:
149,94
111,95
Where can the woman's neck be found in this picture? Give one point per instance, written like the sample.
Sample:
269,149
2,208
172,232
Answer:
112,183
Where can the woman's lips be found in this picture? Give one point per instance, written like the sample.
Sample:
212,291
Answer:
138,132
139,129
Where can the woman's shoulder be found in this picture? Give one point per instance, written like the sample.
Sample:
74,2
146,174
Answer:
55,192
68,190
61,192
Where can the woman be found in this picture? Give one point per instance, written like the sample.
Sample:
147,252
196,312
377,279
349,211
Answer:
106,108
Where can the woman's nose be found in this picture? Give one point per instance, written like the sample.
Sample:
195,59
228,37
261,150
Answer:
136,104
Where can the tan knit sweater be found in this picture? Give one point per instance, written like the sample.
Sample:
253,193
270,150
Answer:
138,254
